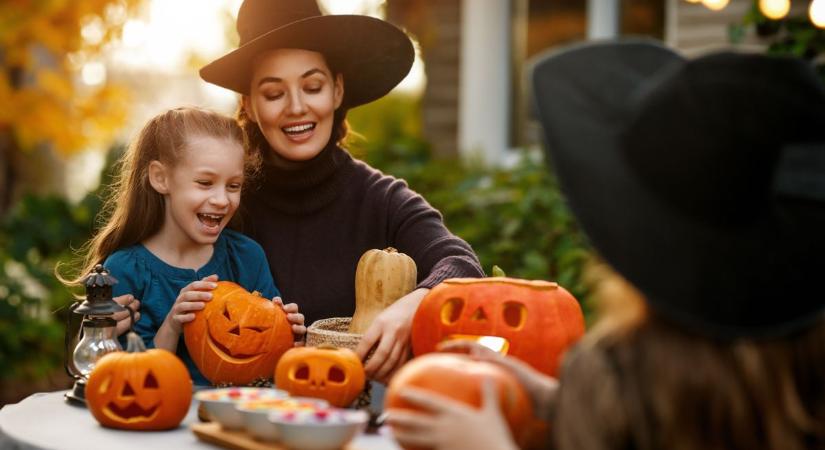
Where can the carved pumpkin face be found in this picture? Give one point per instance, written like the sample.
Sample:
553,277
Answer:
534,321
149,390
460,377
333,374
238,336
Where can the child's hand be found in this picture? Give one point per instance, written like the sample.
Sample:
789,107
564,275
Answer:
295,318
122,318
450,424
541,388
190,300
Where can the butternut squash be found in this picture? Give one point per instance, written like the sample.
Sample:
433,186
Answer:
381,278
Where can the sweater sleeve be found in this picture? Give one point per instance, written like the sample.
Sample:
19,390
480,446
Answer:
132,278
417,229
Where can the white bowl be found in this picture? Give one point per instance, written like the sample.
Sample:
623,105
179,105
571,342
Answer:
220,403
308,434
255,414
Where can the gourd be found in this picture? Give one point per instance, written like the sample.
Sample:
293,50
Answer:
139,389
533,320
460,377
330,373
238,336
381,278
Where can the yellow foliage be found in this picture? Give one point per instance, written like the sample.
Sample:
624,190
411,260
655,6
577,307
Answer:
38,90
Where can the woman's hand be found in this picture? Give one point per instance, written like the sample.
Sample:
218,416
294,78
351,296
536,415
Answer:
295,319
389,333
450,424
542,389
122,318
190,300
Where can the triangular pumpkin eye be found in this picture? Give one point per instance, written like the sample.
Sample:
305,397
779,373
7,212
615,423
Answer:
127,390
150,382
226,313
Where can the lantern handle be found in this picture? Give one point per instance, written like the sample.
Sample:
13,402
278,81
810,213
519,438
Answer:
66,359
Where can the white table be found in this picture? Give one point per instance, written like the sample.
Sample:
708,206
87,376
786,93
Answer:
45,420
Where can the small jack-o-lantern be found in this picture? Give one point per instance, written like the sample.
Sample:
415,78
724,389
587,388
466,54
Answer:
460,378
139,389
535,321
333,374
238,336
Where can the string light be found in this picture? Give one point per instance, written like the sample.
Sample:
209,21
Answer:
817,13
715,5
775,9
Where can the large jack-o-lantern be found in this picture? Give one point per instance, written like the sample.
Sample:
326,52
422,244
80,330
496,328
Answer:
238,336
139,389
533,320
333,374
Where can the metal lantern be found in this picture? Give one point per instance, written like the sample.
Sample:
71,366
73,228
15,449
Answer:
96,335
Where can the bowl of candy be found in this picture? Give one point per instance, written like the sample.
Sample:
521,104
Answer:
255,414
220,403
321,429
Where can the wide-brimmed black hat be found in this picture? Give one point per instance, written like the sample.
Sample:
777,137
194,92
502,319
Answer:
373,55
701,181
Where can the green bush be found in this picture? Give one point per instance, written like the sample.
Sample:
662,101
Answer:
514,218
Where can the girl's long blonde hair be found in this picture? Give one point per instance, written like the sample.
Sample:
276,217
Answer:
133,211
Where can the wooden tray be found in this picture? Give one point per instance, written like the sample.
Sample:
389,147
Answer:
212,433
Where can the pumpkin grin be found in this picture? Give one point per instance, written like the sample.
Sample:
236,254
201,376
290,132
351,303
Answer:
497,344
225,353
131,413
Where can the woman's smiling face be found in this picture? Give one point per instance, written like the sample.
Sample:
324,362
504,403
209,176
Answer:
293,98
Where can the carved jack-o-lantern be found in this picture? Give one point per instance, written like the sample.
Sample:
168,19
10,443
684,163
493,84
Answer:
238,336
333,374
139,390
535,321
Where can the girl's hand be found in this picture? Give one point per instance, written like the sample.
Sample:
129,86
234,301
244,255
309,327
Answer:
295,318
542,389
390,335
190,300
450,424
122,318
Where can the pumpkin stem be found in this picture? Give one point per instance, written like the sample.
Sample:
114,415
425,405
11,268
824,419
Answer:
391,250
497,272
134,343
256,293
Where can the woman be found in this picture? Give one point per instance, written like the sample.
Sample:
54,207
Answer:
316,210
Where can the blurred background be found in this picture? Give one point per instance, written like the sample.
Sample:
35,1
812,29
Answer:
79,77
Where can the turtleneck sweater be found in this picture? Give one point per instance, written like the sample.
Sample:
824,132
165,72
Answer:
316,218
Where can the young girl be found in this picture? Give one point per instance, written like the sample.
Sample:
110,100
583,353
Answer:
165,240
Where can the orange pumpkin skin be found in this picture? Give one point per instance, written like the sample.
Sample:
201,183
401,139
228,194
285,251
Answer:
333,374
238,336
148,390
539,319
460,377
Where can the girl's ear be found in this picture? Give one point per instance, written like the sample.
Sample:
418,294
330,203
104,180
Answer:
246,104
338,92
158,177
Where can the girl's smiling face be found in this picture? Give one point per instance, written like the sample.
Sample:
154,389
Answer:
202,191
293,98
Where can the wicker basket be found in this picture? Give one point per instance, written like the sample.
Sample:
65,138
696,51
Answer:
332,331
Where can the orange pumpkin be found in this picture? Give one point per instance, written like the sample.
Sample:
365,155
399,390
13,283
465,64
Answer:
333,374
238,336
139,389
460,377
535,321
